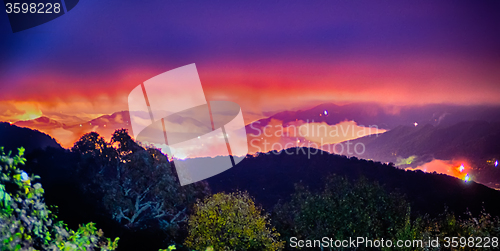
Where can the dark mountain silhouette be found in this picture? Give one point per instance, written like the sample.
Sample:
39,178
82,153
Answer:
13,137
271,177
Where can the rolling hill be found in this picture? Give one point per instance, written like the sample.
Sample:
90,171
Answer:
13,137
271,178
477,142
67,135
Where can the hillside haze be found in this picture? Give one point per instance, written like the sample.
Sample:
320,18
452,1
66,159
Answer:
475,142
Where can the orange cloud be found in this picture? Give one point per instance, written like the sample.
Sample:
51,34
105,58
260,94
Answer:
276,84
278,136
330,134
14,111
456,168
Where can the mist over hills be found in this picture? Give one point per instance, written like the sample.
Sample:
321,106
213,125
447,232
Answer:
476,142
470,139
383,116
388,116
68,134
117,119
40,123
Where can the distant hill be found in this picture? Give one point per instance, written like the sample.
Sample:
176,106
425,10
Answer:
271,177
68,134
105,125
367,114
13,137
65,119
40,123
471,139
475,141
117,119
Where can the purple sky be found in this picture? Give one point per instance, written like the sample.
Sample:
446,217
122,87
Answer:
266,55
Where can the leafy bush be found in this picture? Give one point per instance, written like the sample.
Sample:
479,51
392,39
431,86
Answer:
26,223
469,230
342,210
231,222
467,233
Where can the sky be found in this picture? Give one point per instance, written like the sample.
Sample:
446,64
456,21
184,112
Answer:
265,55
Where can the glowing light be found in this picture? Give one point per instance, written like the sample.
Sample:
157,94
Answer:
457,169
496,163
31,111
466,178
461,168
325,112
416,124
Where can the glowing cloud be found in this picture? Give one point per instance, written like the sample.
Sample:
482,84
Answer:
331,134
14,111
455,168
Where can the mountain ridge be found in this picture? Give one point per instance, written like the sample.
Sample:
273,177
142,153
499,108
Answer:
13,137
271,177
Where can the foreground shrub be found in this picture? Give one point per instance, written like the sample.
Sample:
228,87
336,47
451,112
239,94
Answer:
26,223
342,210
364,209
231,222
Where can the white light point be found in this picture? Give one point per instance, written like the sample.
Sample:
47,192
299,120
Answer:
461,168
467,178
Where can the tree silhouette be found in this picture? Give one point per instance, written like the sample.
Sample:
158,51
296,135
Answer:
136,186
123,143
